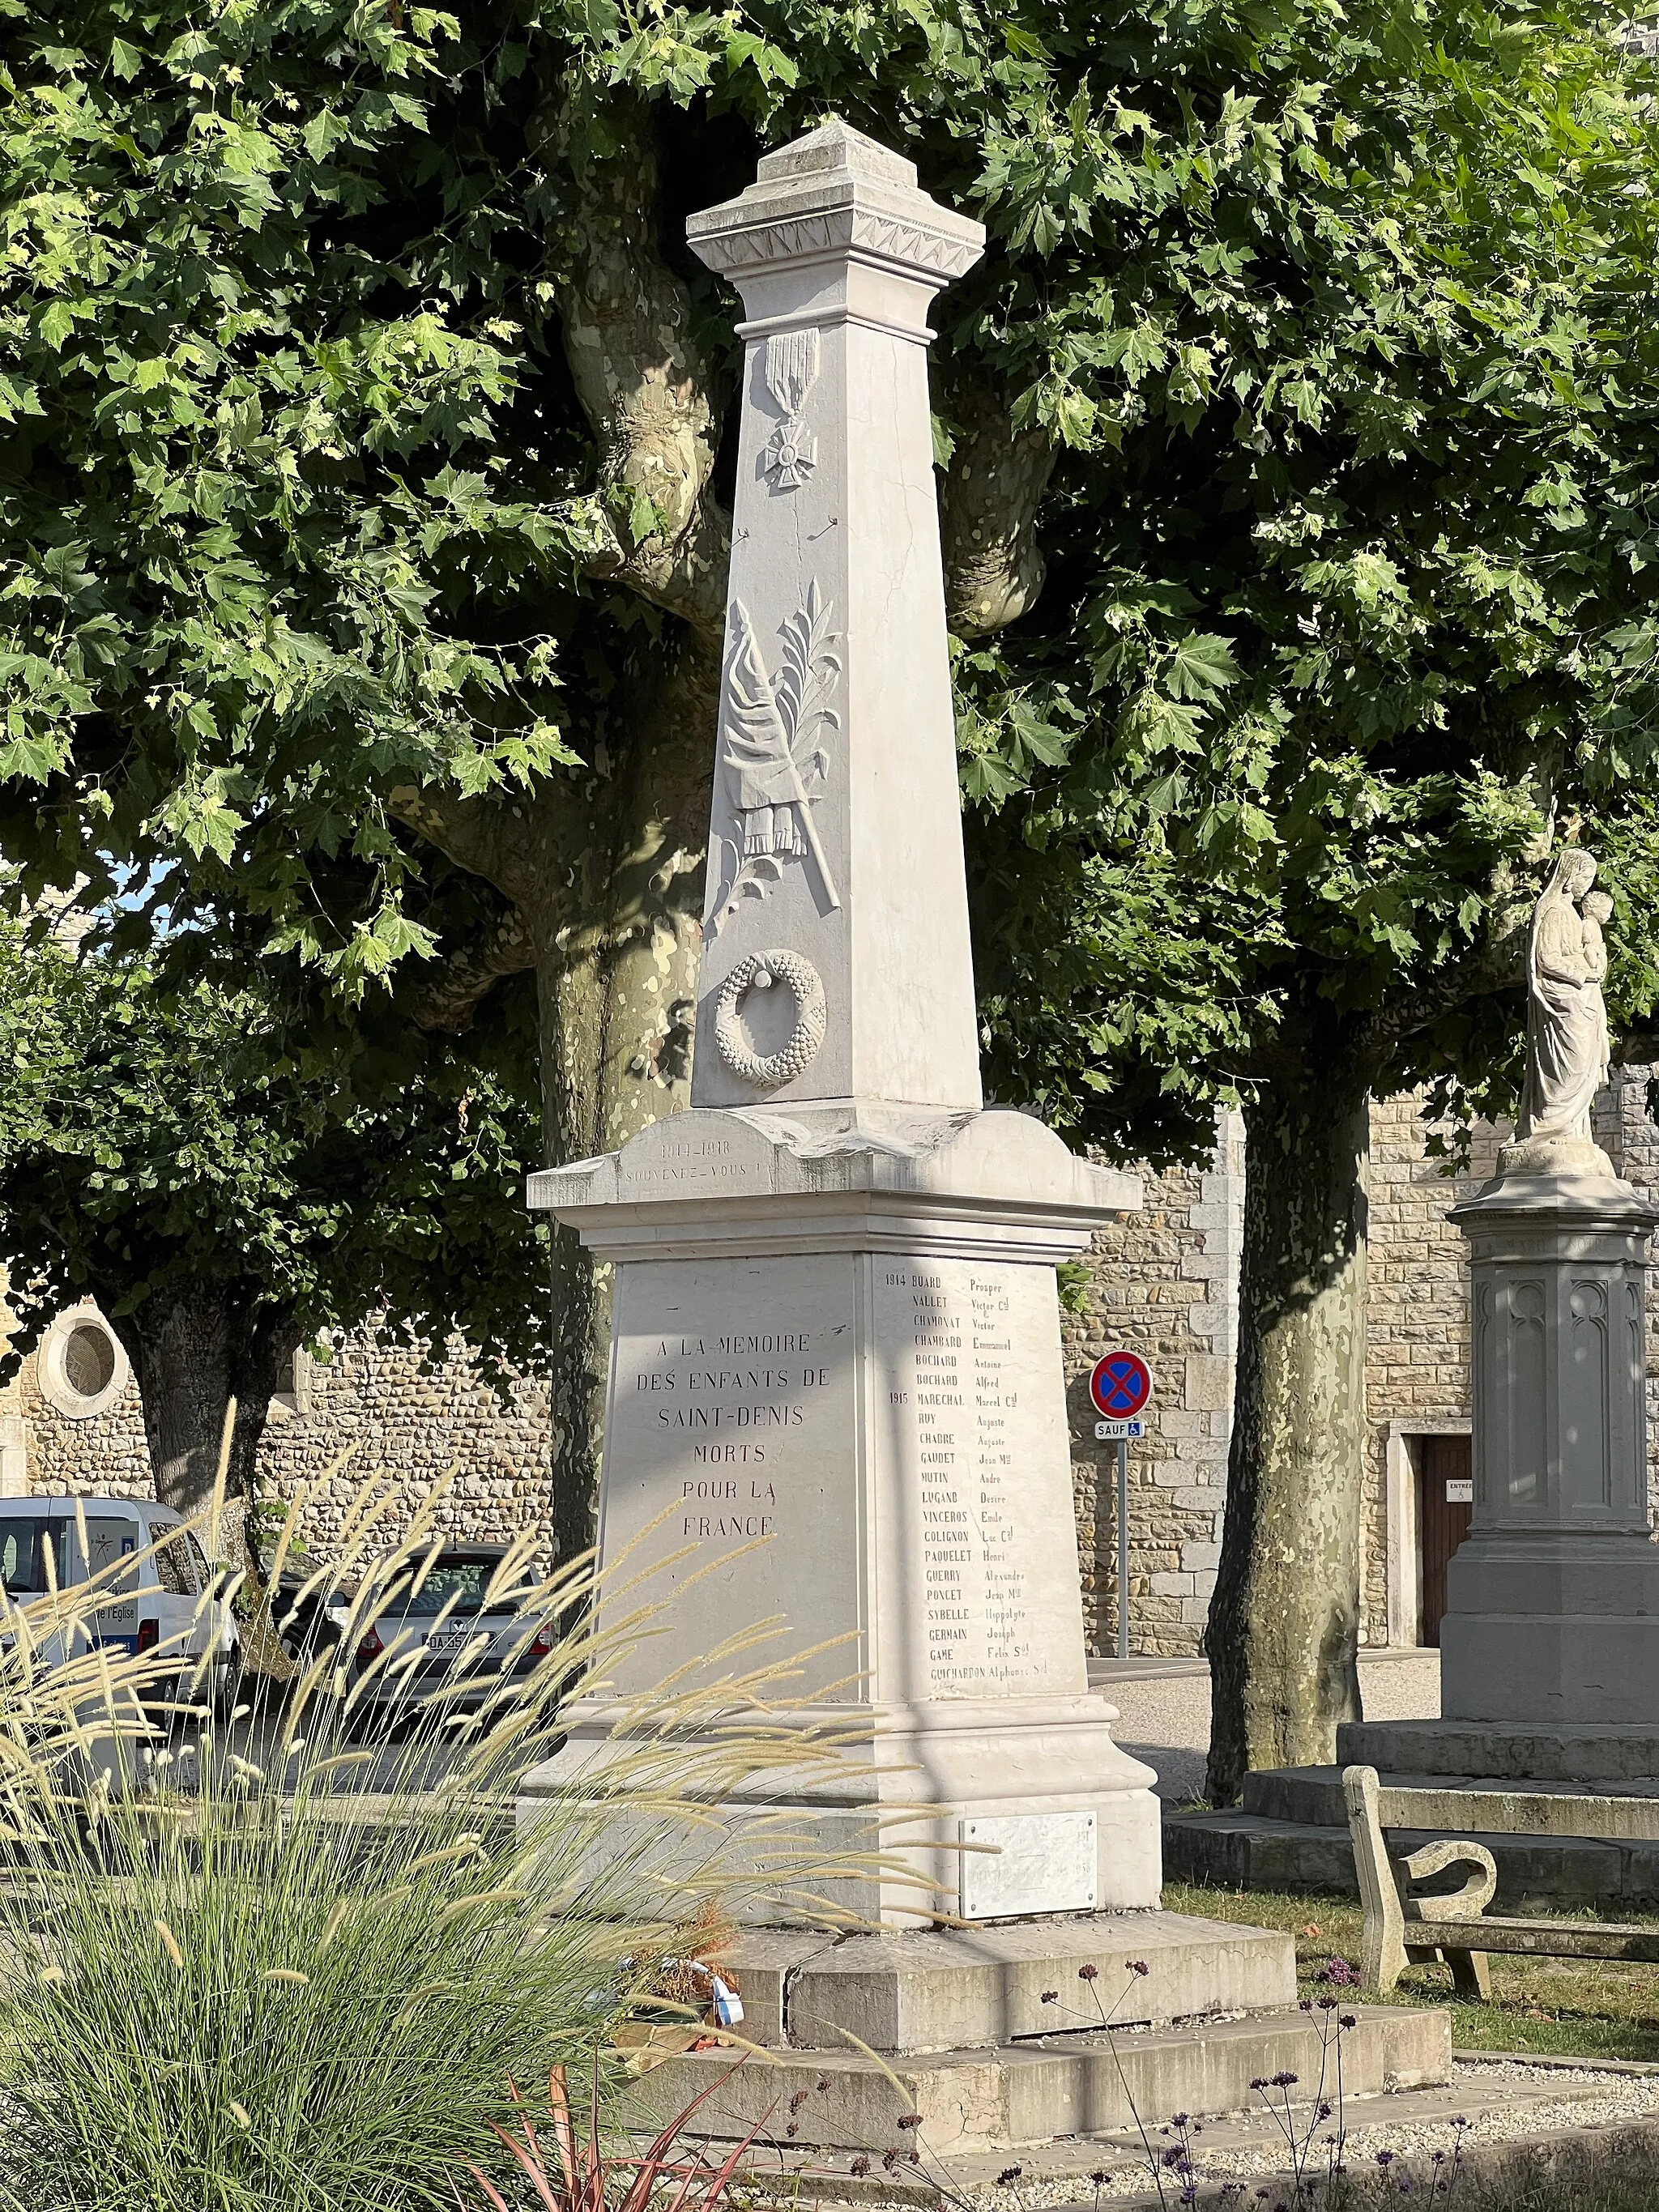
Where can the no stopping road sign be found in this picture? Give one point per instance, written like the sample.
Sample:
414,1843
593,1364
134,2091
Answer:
1120,1384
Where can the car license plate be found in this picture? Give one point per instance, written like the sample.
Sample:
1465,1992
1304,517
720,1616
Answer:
456,1640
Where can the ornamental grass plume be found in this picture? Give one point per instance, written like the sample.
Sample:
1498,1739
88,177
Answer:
295,1956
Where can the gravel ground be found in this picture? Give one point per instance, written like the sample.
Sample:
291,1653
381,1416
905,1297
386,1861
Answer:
1164,1708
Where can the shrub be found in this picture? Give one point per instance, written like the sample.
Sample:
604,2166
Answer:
265,1962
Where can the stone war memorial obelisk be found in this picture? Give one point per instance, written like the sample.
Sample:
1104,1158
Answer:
836,1324
836,1388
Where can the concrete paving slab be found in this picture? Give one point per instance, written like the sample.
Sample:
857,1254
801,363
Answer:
1163,1707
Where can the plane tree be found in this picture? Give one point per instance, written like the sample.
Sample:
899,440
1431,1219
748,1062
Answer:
1357,629
364,514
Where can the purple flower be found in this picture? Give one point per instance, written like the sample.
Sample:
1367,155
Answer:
1284,2081
1051,1996
1339,1973
1100,2176
860,2166
1008,2175
909,2119
1091,1973
1347,2019
1385,2158
1138,1967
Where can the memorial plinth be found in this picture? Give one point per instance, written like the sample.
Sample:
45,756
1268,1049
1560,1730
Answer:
1552,1598
836,1385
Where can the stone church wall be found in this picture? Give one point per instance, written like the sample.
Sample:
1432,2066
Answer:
366,1414
1164,1283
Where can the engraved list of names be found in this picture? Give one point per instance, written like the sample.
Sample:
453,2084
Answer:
981,1467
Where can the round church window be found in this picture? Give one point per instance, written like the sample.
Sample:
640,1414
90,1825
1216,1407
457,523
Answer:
89,1360
80,1366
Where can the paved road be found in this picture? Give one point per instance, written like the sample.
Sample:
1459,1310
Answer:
1165,1705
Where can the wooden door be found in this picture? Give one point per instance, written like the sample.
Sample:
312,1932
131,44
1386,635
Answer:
1445,1493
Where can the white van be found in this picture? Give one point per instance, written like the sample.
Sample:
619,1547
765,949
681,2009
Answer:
160,1602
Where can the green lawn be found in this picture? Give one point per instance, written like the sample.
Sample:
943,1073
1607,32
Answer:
1586,2008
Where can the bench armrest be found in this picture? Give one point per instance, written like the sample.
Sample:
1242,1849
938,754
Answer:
1466,1903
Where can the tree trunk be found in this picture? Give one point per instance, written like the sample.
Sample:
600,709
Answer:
1284,1622
617,1000
178,1342
194,1344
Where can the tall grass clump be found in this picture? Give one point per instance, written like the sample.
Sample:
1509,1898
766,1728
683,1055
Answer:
296,1956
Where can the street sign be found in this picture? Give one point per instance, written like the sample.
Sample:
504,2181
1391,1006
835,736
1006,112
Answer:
1120,1384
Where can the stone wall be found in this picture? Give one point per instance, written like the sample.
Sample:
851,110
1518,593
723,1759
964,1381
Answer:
368,1414
1163,1282
1627,1132
105,1456
1417,1340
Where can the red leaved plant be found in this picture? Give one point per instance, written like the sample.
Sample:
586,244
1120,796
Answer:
584,2177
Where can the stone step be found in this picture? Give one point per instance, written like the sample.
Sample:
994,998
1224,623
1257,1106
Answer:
1508,1751
1031,2091
965,1989
1535,1873
1463,1805
1250,1850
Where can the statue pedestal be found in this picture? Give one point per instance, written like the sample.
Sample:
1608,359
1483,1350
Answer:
837,1403
1553,1596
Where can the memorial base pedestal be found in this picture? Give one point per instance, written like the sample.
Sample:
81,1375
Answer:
992,2036
975,1810
1553,1599
837,1405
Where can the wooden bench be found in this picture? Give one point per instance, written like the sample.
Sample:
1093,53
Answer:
1403,1927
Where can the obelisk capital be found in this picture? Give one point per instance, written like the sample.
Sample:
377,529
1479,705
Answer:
837,197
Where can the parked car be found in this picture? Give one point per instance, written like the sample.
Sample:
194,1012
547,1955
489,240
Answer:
442,1624
163,1602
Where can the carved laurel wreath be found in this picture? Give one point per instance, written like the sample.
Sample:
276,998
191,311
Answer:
758,972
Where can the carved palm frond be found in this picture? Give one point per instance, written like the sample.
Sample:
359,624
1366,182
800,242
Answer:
808,668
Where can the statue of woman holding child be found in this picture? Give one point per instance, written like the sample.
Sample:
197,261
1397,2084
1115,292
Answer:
1567,1046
